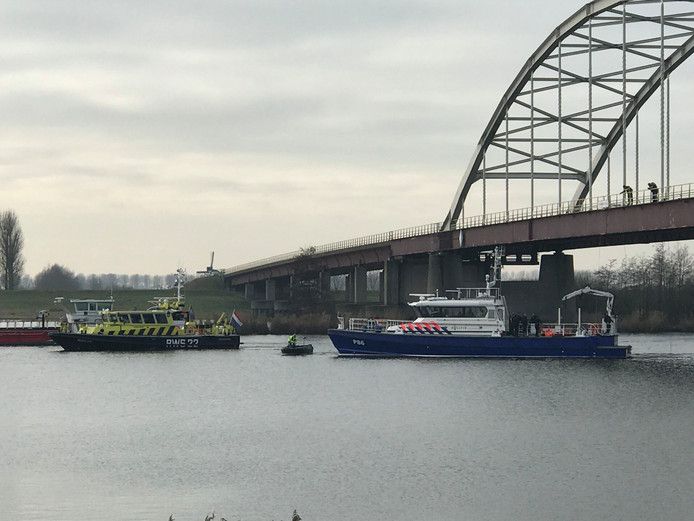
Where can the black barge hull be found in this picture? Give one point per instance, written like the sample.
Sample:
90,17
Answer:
298,350
87,342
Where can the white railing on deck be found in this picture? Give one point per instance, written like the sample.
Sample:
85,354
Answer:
372,324
683,191
564,329
571,329
27,324
473,293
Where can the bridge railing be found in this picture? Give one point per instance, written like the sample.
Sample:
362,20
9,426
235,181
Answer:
377,238
683,191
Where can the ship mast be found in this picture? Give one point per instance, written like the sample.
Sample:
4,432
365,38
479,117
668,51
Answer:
495,277
180,279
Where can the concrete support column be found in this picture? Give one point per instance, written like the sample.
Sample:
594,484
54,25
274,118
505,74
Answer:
556,280
349,287
435,274
249,291
557,271
390,280
324,285
359,280
381,286
270,289
474,274
413,277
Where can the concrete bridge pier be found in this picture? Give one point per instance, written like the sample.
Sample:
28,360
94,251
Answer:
359,285
435,274
450,271
249,291
413,277
271,289
268,296
390,280
472,274
324,279
556,280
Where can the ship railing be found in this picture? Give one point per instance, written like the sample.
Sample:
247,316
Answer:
570,329
474,293
27,324
372,324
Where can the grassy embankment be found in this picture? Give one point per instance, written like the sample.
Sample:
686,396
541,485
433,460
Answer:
207,297
654,322
207,300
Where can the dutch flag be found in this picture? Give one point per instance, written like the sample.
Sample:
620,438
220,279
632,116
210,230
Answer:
235,320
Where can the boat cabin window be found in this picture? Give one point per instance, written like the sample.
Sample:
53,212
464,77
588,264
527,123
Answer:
102,306
454,312
135,318
178,315
160,318
430,311
148,318
81,306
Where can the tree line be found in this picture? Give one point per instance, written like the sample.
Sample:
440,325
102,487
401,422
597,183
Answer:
652,292
59,278
56,276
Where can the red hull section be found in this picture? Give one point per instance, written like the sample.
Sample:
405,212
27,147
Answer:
26,337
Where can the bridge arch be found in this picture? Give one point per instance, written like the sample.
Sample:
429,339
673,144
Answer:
609,58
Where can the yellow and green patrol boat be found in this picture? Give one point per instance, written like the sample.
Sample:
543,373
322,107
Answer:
167,325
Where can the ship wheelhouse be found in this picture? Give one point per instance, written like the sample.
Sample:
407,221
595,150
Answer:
85,312
476,312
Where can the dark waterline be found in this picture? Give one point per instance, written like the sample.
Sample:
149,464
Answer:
253,435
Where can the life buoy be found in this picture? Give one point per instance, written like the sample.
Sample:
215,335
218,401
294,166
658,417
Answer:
594,330
547,331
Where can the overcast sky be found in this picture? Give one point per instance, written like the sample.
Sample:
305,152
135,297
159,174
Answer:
139,136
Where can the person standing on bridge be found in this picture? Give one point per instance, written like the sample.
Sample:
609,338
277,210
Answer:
654,192
628,195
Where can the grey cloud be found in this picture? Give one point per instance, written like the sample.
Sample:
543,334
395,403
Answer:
254,100
254,22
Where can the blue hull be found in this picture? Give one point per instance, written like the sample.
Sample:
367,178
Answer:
370,344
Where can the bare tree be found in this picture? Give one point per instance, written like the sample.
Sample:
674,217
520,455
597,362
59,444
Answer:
682,265
11,244
135,280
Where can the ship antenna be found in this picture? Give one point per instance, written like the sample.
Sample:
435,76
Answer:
496,267
180,277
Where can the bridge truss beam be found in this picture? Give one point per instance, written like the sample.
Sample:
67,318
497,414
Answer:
573,100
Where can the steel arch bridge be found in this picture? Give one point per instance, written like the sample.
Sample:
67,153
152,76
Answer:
574,99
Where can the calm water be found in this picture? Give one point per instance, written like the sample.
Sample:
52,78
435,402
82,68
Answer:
253,435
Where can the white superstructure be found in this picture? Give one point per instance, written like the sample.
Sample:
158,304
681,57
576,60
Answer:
471,312
85,312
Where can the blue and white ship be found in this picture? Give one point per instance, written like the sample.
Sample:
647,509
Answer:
475,323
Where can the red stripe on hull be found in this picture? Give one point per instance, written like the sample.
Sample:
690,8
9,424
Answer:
25,337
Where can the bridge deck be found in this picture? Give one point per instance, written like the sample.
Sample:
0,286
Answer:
643,223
